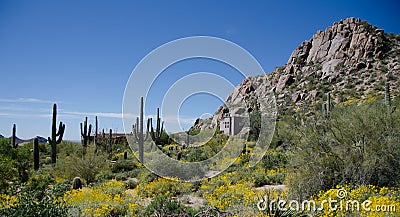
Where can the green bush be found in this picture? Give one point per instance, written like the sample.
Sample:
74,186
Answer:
274,160
86,167
123,165
357,145
164,206
38,197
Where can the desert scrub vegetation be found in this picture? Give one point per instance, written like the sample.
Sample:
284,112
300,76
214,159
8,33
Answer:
313,154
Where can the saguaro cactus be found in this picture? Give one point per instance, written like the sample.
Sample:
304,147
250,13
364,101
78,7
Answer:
387,94
139,135
187,142
156,135
53,141
110,141
95,135
36,153
85,133
13,137
328,104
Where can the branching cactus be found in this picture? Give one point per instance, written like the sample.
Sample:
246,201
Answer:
85,133
53,141
36,153
156,135
139,135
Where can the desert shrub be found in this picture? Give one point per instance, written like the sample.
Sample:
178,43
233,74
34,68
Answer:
123,165
19,158
382,197
106,199
261,177
105,175
7,172
274,160
146,176
86,167
164,206
163,186
357,145
66,148
232,195
40,196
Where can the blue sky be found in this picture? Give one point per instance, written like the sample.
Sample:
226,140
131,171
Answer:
80,54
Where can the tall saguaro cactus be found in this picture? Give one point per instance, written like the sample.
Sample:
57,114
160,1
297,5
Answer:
156,135
13,136
139,135
36,153
110,142
85,133
95,134
53,141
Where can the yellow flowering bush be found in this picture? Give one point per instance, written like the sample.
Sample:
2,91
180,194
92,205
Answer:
230,196
7,201
102,200
163,186
227,178
366,200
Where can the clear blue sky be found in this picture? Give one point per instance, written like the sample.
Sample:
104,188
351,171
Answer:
80,54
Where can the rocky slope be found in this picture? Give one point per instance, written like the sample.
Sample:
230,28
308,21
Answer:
349,59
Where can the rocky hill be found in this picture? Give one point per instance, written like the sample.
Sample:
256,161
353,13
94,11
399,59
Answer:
349,59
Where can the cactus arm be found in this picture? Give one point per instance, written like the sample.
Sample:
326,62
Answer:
81,129
60,133
162,128
149,122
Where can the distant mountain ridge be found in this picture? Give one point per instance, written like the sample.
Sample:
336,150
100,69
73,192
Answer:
350,59
19,141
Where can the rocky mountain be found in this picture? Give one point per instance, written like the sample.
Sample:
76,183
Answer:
1,136
349,59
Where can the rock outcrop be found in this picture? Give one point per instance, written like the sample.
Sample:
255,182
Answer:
349,59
